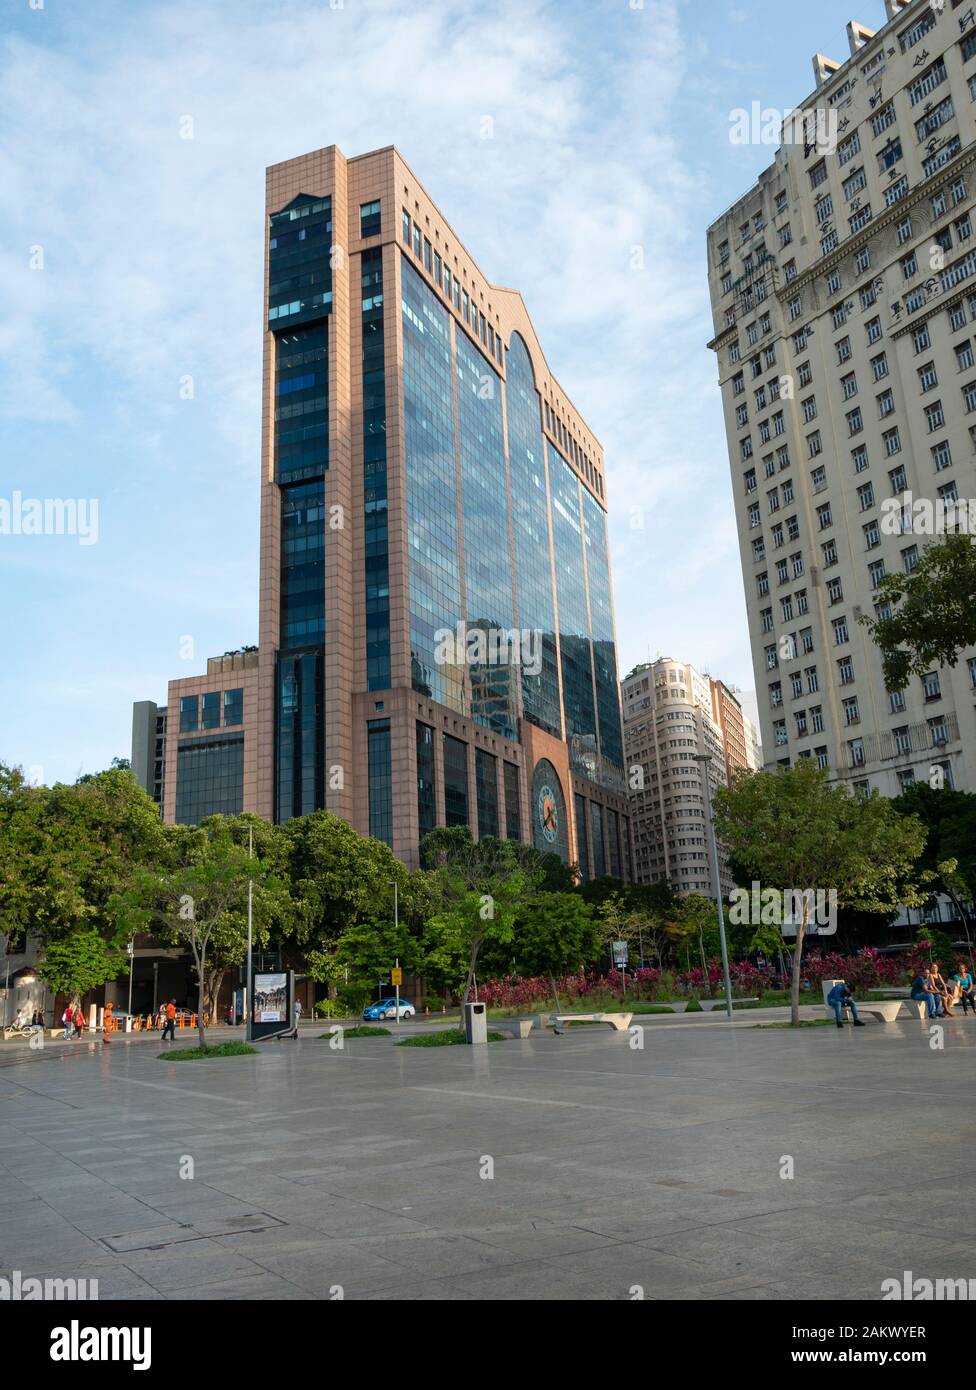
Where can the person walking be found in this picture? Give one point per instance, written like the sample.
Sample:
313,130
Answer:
298,1015
68,1018
78,1019
108,1021
170,1025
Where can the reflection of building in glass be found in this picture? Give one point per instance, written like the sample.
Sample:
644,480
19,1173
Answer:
424,476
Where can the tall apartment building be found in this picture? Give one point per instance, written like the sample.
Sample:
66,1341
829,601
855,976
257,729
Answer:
843,288
436,622
672,714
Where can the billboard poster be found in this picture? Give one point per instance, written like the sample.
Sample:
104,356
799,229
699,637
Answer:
271,998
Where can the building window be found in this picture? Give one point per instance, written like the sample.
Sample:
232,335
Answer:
210,716
189,713
233,707
369,219
455,781
486,786
513,808
426,799
582,850
380,780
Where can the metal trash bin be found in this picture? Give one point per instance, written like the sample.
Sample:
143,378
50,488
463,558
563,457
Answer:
475,1023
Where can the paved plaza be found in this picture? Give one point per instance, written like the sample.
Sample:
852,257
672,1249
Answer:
553,1168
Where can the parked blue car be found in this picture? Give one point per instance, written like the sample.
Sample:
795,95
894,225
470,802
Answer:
387,1008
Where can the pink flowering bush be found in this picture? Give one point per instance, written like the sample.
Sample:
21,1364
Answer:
868,969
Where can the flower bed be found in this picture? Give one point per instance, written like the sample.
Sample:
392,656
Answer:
868,969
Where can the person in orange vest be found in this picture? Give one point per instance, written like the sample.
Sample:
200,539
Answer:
170,1026
108,1022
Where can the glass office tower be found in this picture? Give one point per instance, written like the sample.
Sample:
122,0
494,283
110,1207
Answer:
436,628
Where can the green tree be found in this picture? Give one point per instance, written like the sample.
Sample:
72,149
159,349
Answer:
273,909
197,900
555,934
476,890
797,833
949,818
933,611
340,880
66,851
80,962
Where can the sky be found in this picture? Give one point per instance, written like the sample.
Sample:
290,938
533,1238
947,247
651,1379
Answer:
580,149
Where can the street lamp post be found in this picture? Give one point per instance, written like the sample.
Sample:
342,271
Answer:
132,961
250,931
705,759
396,935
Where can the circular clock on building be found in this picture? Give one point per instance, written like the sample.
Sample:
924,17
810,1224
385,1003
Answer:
548,810
547,813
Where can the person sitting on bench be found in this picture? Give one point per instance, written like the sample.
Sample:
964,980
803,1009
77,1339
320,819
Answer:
924,988
840,997
964,979
942,990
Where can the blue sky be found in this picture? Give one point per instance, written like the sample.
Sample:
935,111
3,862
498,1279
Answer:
610,131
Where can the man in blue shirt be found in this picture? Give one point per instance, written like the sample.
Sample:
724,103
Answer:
923,988
841,998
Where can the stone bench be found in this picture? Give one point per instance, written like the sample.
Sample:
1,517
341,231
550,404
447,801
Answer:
517,1027
885,1010
618,1022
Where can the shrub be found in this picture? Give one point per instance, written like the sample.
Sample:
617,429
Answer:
448,1037
196,1054
361,1030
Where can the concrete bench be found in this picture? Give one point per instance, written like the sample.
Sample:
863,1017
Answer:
618,1022
673,1005
885,1010
517,1027
707,1005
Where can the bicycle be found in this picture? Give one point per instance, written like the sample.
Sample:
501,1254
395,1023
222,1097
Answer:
24,1030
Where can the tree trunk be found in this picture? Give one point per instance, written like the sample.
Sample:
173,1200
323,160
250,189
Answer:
214,984
555,991
797,958
471,976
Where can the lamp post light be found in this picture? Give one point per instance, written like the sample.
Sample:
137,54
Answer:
706,760
131,950
396,935
248,1011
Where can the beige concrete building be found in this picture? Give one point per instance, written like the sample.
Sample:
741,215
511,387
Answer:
843,287
436,619
673,714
